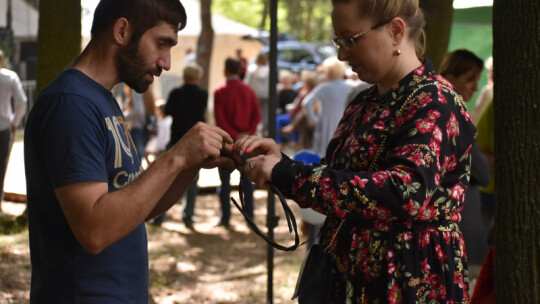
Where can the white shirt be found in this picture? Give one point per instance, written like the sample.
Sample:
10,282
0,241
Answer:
11,87
332,99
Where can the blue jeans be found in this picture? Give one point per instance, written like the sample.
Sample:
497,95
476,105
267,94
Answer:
224,192
189,207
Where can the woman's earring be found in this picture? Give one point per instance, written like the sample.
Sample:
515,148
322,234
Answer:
397,52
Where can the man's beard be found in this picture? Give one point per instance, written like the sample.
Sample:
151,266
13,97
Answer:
131,67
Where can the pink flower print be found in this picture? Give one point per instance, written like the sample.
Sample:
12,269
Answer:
360,182
394,294
425,125
373,149
379,125
425,266
452,127
450,163
425,100
434,114
427,213
418,159
441,255
379,178
437,134
419,71
385,114
391,268
404,150
354,146
437,179
456,192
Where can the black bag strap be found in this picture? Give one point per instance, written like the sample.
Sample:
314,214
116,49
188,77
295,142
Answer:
291,220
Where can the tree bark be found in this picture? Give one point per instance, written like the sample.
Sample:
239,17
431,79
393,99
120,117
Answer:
439,15
59,38
266,7
516,44
206,41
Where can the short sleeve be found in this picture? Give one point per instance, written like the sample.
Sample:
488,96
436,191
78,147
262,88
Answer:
72,139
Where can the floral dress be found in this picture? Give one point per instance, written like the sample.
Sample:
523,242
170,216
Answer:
392,185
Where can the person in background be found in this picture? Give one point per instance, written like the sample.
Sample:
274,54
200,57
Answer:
11,115
486,94
462,69
157,144
87,195
187,106
298,121
258,78
135,115
190,56
243,63
238,112
393,176
285,92
324,105
286,96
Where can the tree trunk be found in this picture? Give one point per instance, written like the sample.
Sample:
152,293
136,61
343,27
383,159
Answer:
266,7
439,15
516,44
59,38
307,27
206,41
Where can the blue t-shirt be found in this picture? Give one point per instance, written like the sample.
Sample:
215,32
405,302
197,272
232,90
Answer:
76,133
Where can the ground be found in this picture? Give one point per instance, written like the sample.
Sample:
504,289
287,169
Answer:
208,265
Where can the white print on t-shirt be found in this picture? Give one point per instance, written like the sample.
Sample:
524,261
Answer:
118,127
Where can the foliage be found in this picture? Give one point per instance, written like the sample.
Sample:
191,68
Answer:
291,16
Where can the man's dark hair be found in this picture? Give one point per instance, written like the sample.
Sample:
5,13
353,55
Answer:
141,14
233,65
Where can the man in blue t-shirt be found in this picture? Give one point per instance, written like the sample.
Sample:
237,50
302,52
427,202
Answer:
87,196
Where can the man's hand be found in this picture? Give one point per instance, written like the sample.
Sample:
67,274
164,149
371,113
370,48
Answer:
202,145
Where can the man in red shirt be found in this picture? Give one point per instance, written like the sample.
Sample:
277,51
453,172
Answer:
238,112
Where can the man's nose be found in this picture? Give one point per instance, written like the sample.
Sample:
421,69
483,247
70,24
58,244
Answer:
164,61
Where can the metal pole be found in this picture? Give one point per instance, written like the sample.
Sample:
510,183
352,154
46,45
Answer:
271,219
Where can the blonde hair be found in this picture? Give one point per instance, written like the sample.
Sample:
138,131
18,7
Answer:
192,72
385,10
334,68
285,76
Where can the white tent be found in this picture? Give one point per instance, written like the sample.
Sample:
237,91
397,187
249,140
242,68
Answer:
24,20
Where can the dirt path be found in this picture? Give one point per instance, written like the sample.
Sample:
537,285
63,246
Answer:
207,265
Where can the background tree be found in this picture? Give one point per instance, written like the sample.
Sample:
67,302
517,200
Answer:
516,44
308,20
206,41
59,38
438,16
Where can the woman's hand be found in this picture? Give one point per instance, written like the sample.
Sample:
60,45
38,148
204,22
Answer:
258,169
254,145
262,155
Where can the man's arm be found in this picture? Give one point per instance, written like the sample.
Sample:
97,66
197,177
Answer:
99,218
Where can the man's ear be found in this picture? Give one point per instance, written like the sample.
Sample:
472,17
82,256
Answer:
122,31
397,30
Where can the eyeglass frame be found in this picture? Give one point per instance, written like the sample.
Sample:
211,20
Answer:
339,42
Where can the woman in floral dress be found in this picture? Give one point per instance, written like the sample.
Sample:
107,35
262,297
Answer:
395,171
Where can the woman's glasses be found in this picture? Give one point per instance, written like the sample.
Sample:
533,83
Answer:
349,43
